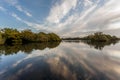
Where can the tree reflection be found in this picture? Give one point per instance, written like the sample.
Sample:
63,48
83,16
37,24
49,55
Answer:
95,44
99,45
68,62
27,48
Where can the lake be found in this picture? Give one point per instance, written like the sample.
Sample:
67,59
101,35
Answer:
68,60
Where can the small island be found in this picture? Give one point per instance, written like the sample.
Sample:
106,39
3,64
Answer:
13,36
97,40
96,37
100,37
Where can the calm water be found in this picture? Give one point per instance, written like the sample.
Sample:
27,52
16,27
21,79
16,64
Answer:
60,61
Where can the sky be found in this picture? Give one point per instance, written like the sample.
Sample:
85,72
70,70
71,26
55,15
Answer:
64,17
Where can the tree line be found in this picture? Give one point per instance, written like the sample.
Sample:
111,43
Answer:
13,36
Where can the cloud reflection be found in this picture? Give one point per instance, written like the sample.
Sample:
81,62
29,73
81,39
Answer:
69,61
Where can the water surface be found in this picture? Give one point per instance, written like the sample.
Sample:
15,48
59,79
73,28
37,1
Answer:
60,61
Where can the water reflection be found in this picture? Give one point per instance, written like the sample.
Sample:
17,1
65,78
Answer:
96,45
27,48
68,61
100,45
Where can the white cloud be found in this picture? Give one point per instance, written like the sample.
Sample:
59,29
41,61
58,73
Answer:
19,8
16,17
30,24
94,18
2,8
60,10
36,26
12,2
74,23
87,3
102,17
15,3
91,16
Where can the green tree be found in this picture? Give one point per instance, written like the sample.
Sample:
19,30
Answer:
1,39
11,35
42,37
53,37
28,35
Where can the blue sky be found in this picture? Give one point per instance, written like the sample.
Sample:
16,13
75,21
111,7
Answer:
64,17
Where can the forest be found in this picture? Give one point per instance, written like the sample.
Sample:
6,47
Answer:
13,36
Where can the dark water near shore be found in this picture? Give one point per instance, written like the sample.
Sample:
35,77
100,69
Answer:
78,60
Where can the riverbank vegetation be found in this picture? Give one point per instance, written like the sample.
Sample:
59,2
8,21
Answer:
13,36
